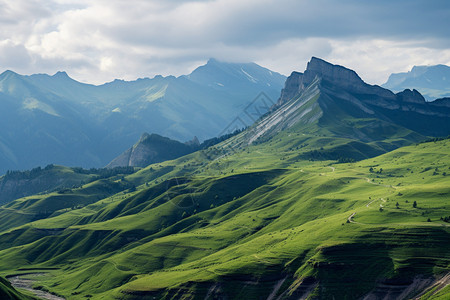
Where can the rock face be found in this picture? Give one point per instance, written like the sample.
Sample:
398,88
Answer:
334,75
345,82
332,94
412,96
337,74
152,148
293,86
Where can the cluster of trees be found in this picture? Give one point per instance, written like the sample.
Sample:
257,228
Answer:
446,219
38,171
28,174
397,205
105,172
372,170
322,154
214,141
436,139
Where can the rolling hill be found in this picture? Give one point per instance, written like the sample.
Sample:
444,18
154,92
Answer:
329,195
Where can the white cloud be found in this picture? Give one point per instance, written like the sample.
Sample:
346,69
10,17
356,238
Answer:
99,40
375,60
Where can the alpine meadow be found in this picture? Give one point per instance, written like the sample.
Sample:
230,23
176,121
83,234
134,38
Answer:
234,181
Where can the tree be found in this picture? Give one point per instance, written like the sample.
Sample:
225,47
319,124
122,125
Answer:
415,204
397,205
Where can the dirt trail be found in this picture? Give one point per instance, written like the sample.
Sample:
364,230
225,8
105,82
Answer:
381,199
19,282
371,182
350,220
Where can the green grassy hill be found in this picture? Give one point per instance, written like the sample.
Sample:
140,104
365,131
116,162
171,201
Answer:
240,228
329,196
52,178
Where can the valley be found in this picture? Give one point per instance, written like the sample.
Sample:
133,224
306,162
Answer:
337,192
299,212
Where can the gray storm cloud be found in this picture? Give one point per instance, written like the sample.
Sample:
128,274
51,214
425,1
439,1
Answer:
97,41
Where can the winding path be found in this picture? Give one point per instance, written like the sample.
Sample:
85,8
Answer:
19,282
350,219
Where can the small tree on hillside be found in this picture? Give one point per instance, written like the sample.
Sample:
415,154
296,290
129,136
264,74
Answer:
415,204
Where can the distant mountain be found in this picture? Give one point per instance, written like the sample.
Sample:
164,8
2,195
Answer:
432,81
326,101
55,119
153,149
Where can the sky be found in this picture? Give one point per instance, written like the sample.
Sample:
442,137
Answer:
96,41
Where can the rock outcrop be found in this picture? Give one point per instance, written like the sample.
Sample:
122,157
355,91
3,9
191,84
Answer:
347,85
152,148
412,96
293,86
334,75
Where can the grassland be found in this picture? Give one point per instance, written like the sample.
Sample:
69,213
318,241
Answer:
257,221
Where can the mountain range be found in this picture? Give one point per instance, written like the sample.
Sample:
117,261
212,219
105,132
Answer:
55,119
339,191
375,119
433,82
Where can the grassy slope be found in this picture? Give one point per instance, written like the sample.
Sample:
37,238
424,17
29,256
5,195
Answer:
219,221
48,179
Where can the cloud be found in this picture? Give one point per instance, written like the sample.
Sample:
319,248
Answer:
99,40
13,55
374,60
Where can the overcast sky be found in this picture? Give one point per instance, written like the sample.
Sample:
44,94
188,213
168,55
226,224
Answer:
96,41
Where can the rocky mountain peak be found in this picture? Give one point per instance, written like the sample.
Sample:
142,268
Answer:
413,96
8,74
194,142
151,148
61,74
144,137
339,77
294,85
334,73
